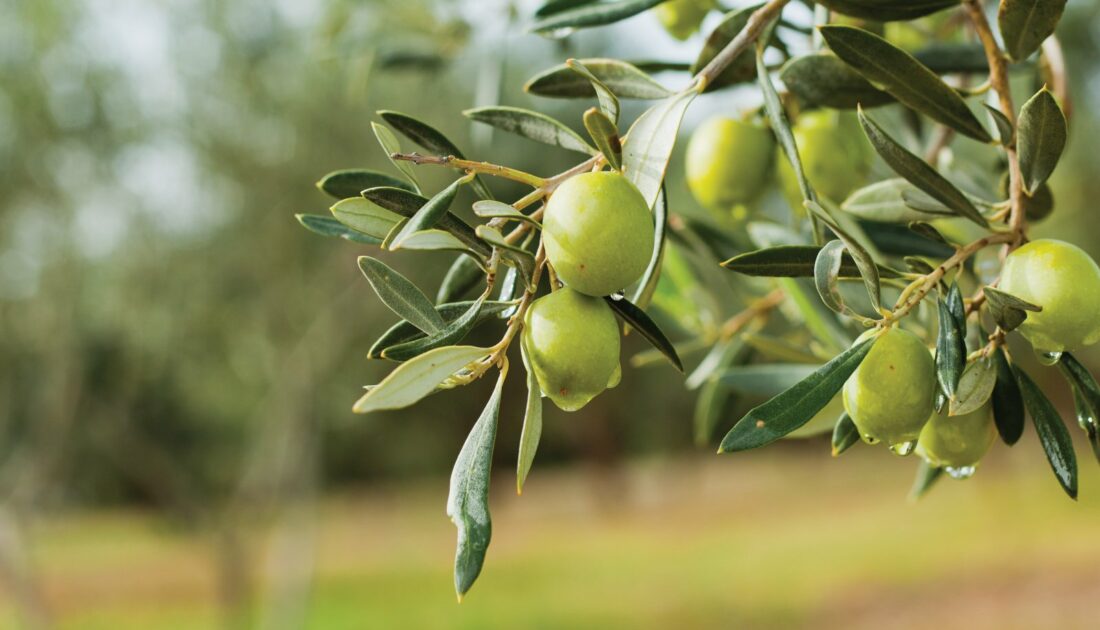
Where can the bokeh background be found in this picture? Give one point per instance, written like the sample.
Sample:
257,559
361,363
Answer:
178,359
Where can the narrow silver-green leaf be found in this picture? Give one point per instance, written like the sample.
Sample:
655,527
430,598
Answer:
647,285
468,500
827,274
407,204
589,15
1026,23
918,172
649,144
403,332
638,320
793,408
791,261
781,126
885,202
433,240
1041,137
366,217
500,210
531,125
431,139
411,381
1052,432
606,136
975,387
895,71
400,295
391,145
622,78
329,226
609,103
454,332
823,80
431,212
766,379
532,424
868,269
845,434
888,10
353,181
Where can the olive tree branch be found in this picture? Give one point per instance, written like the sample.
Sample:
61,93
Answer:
757,23
472,166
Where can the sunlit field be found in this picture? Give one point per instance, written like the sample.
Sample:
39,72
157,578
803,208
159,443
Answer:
789,539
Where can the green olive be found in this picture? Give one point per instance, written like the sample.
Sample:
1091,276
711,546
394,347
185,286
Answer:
835,154
572,342
957,441
681,18
889,396
728,162
598,233
1065,282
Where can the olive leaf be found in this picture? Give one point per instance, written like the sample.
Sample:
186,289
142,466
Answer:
792,261
411,381
638,320
868,269
407,204
649,144
403,332
454,332
500,210
400,295
430,139
1008,311
740,69
365,217
951,341
514,254
647,285
1040,139
766,379
531,125
781,126
716,357
710,405
823,80
532,424
609,103
1086,397
622,78
391,145
329,226
1008,402
954,57
1006,132
845,434
351,182
432,240
605,134
589,15
927,476
826,276
430,213
1052,432
468,499
1026,23
888,10
793,408
906,79
886,202
463,275
928,231
899,240
918,172
975,387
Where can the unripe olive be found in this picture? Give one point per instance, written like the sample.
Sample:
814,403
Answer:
836,156
1065,281
889,396
728,162
957,441
681,18
598,233
572,342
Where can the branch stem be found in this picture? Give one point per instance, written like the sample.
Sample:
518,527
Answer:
472,166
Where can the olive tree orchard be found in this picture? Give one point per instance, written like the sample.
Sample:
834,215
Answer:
877,310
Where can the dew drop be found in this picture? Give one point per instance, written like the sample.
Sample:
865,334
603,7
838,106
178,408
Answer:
960,472
1047,357
903,448
618,295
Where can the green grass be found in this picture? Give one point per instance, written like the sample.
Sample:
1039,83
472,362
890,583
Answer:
787,538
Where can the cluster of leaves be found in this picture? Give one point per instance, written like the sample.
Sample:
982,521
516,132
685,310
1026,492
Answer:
881,237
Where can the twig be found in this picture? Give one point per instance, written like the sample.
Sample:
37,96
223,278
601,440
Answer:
758,21
472,166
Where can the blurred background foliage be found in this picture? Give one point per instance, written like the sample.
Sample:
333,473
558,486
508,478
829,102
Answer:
170,336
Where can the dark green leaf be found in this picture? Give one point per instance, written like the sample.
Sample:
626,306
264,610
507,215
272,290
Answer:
742,68
351,182
845,434
906,79
391,145
918,172
927,475
404,332
329,226
647,285
794,407
1005,131
918,265
638,320
415,379
1087,418
888,10
407,204
1007,310
431,139
781,126
649,144
1026,23
1086,397
950,346
625,80
1041,139
430,213
591,14
463,275
557,6
532,424
823,80
1052,432
954,57
400,295
928,231
609,103
454,332
790,261
532,125
975,387
606,136
1008,402
468,500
